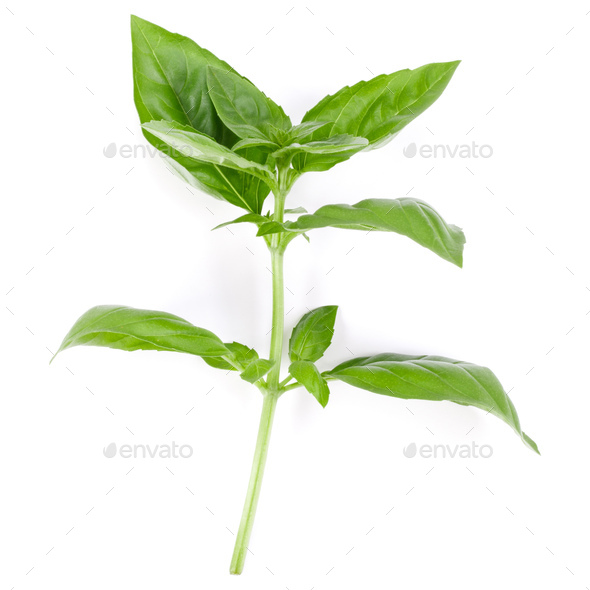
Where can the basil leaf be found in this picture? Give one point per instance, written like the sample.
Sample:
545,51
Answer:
431,378
295,211
248,218
243,108
338,144
376,109
126,328
312,335
239,354
412,218
303,130
170,83
271,146
256,370
198,146
306,373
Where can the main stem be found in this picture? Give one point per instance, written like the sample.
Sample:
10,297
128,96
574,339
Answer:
271,394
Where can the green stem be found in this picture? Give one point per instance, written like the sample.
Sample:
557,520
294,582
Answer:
249,512
277,249
278,317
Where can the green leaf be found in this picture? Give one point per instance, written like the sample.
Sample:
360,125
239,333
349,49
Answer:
197,146
433,378
270,227
306,373
247,111
240,354
170,83
376,109
312,335
256,370
409,217
126,328
254,218
295,211
249,142
303,130
334,145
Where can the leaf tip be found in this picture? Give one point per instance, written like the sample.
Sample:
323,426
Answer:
529,442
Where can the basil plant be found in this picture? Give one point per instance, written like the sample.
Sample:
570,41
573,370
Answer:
225,137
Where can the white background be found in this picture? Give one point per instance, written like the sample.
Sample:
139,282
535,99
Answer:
80,229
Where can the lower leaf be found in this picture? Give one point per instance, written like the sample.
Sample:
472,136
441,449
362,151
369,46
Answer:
126,328
240,356
433,378
306,373
256,370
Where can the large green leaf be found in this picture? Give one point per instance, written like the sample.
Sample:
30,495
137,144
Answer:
409,217
312,335
433,378
376,109
306,373
126,328
244,109
170,83
198,146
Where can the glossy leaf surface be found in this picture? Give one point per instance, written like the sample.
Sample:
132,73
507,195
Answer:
170,83
197,146
409,217
240,354
126,328
312,335
256,370
306,373
376,109
339,144
433,378
244,109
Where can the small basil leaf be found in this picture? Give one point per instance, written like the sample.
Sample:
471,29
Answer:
198,146
306,373
256,370
302,130
126,328
295,211
254,142
334,145
170,83
239,354
248,218
271,227
243,108
376,109
312,335
433,378
409,217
